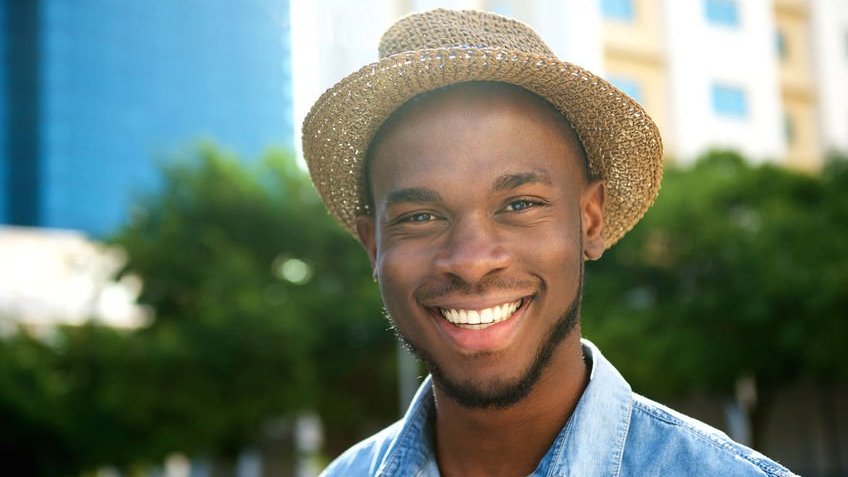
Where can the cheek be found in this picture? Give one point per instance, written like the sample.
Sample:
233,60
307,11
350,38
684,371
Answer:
400,271
557,254
399,278
404,261
561,260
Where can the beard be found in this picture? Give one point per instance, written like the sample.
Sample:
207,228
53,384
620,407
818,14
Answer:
503,393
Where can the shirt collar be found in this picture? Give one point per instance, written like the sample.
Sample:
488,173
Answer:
412,450
591,443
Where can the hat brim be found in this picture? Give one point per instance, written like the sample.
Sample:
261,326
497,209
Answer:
622,143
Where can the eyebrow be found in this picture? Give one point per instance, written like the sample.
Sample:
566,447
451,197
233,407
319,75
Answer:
412,195
512,181
417,195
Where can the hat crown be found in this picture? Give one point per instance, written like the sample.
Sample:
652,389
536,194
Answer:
460,29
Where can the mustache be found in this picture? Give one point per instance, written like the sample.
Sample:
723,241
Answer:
457,285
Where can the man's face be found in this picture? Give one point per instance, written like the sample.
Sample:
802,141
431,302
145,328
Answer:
482,218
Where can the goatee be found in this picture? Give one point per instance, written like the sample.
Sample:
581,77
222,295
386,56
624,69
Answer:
471,393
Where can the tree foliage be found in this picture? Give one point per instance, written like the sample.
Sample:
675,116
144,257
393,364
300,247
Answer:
33,423
736,270
263,308
267,300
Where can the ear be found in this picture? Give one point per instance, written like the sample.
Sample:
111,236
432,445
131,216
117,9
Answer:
367,233
592,210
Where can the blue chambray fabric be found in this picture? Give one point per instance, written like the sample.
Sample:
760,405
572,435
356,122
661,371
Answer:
612,432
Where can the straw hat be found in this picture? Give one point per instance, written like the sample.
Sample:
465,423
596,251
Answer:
425,51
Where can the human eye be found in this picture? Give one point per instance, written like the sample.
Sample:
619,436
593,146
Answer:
417,217
521,205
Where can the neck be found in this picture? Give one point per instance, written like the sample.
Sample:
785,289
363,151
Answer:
511,441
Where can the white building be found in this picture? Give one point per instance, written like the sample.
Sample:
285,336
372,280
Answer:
829,30
724,89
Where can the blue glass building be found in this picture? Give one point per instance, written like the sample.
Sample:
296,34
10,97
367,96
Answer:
96,93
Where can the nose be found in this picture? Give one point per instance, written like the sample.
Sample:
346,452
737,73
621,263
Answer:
472,251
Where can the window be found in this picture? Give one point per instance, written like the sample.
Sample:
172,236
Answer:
722,12
780,44
788,128
630,86
617,10
729,101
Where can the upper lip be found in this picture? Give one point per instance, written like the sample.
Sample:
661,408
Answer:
480,304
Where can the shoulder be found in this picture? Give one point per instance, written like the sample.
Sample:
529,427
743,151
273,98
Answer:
680,445
366,457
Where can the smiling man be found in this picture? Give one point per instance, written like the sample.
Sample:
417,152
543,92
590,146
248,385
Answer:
479,172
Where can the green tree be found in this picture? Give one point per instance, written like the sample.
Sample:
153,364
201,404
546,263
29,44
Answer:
33,424
264,307
737,270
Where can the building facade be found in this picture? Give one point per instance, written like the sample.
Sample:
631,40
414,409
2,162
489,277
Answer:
828,30
764,77
97,94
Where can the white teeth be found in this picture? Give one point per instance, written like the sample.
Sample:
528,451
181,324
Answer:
500,312
479,319
486,315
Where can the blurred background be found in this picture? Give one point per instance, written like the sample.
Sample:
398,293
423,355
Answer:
175,301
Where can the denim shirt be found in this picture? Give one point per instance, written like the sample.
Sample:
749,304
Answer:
612,432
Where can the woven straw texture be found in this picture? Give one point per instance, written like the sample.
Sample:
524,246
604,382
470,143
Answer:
425,51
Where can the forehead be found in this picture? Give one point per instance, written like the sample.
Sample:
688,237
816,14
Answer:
495,95
468,131
448,107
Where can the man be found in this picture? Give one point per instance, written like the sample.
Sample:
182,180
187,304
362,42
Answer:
479,172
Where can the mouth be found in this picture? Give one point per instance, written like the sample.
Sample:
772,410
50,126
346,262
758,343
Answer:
472,319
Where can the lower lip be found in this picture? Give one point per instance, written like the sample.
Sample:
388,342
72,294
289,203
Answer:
491,338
